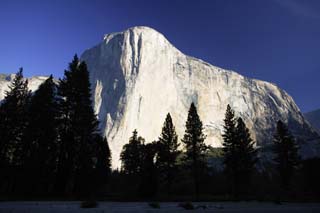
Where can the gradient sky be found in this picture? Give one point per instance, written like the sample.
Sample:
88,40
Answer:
272,40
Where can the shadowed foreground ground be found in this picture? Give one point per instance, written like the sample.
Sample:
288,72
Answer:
74,206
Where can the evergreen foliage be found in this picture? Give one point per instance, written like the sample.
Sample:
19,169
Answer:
247,156
50,145
103,165
286,154
149,176
104,156
195,147
240,155
78,131
229,142
168,153
13,113
132,155
40,138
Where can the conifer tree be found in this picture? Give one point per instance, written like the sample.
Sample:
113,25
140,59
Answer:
104,156
40,137
246,156
78,129
132,155
148,177
239,152
168,152
229,146
286,154
195,147
66,103
13,121
103,166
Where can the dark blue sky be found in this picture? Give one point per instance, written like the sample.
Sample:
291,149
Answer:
272,40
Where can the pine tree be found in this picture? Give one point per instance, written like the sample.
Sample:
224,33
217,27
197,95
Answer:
193,140
104,156
246,154
132,155
148,176
78,130
103,166
66,103
13,121
229,146
168,152
286,154
239,152
40,138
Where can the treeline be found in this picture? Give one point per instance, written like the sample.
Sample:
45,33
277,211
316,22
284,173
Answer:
51,148
50,144
167,169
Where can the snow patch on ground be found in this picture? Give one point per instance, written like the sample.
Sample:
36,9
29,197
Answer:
136,207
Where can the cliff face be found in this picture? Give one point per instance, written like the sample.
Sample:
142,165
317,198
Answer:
138,77
33,83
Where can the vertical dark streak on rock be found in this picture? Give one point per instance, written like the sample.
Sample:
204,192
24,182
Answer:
140,99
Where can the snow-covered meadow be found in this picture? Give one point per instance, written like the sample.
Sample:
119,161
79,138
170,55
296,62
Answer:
74,206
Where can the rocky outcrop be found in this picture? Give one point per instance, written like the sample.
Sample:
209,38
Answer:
138,76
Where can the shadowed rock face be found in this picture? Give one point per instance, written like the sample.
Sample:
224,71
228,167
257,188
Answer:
138,77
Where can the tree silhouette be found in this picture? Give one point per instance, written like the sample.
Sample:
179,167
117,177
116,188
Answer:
40,138
246,156
103,166
239,153
229,146
78,130
286,154
132,155
193,140
149,181
168,152
13,121
104,155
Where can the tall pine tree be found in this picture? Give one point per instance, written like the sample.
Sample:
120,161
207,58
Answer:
195,147
286,154
229,146
13,120
246,157
168,152
40,138
239,152
229,137
78,130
